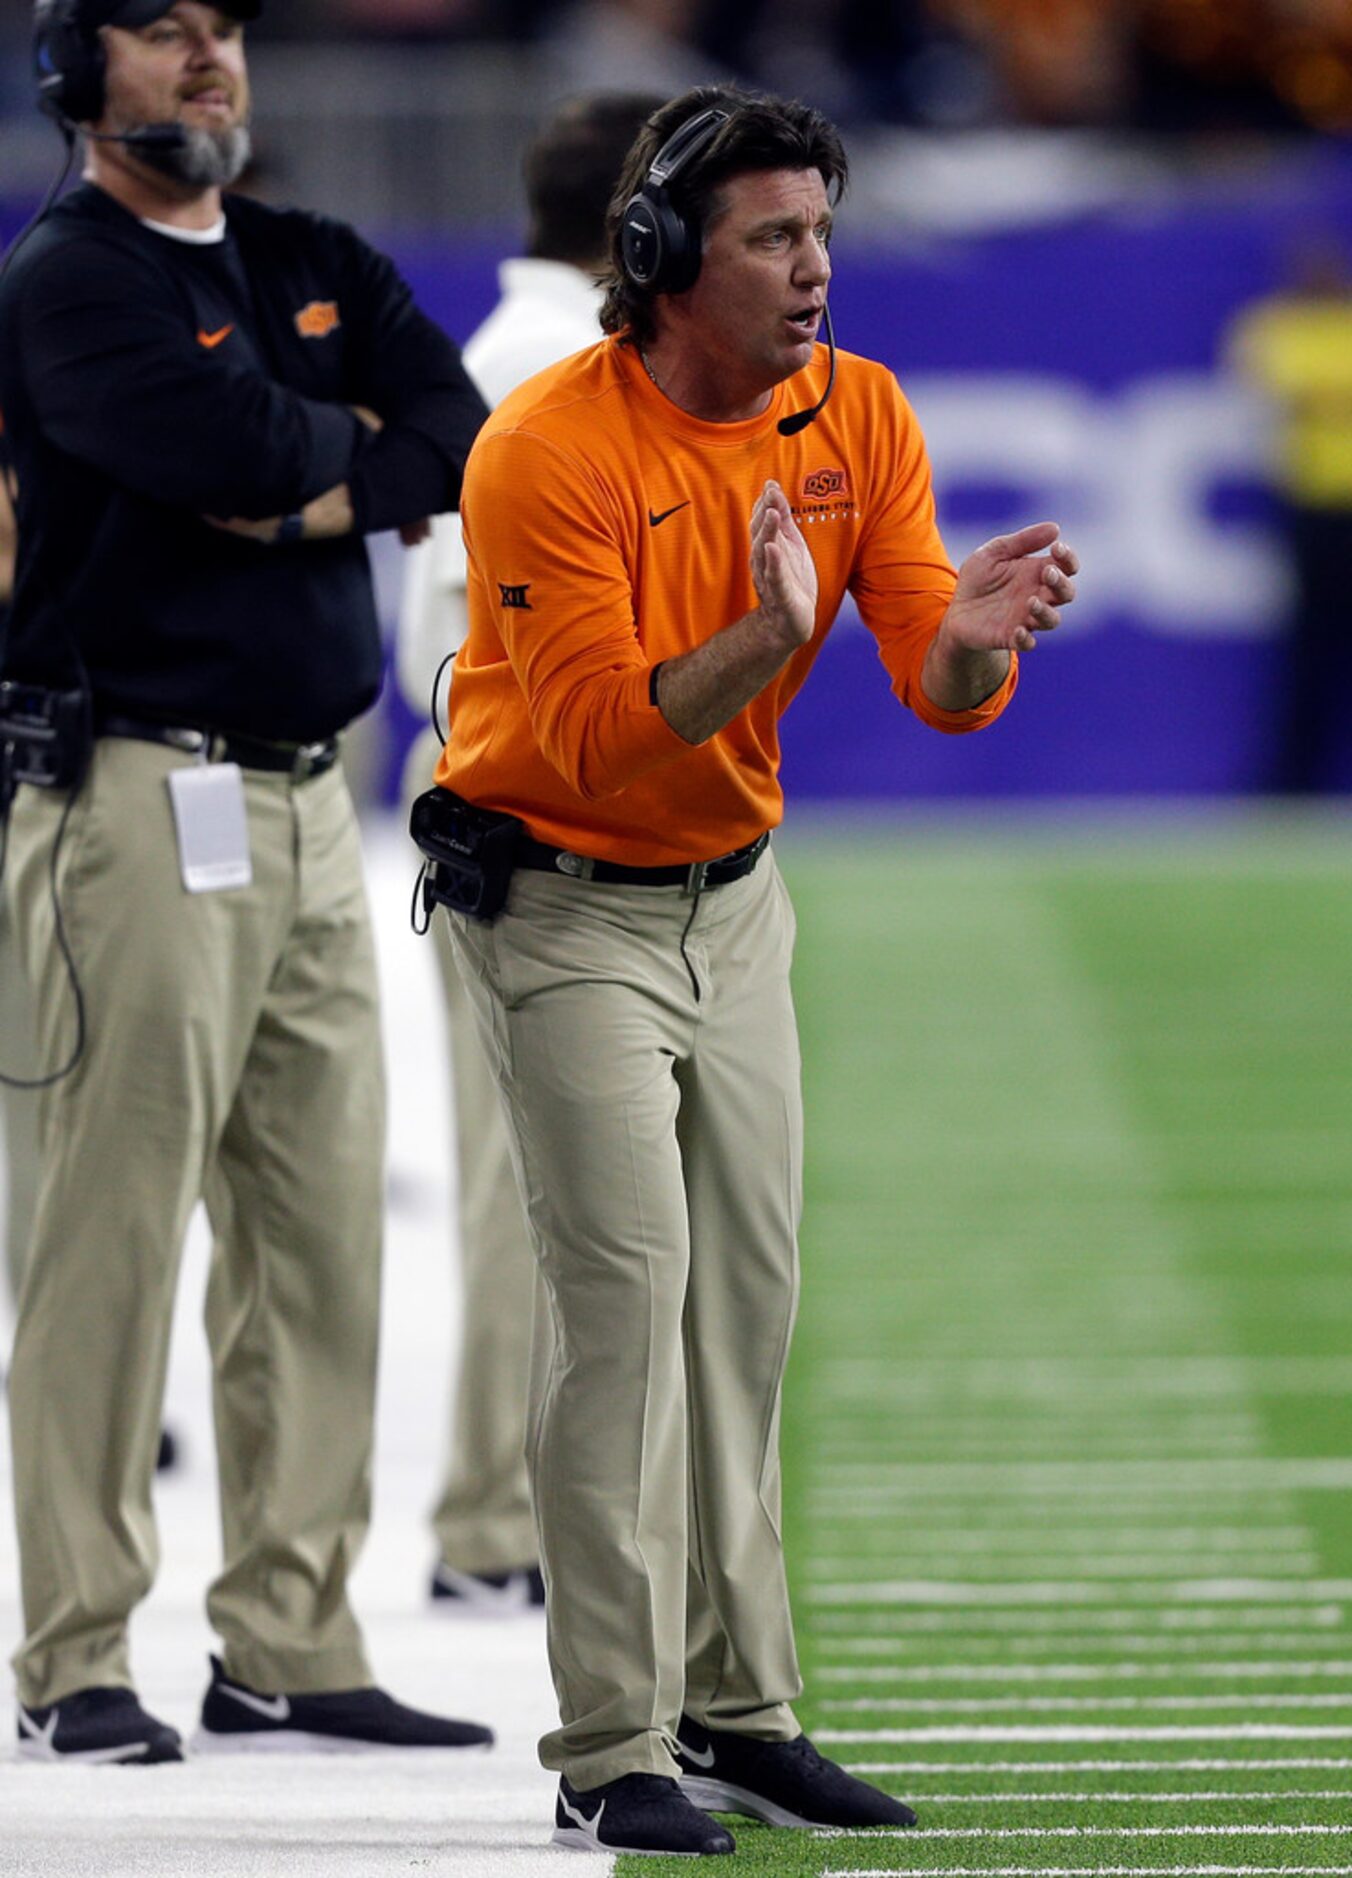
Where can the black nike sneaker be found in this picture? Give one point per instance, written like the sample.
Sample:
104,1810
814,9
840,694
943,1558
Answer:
785,1783
488,1594
237,1719
636,1813
98,1726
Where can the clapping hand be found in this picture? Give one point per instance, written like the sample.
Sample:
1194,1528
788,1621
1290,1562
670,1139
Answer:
1009,591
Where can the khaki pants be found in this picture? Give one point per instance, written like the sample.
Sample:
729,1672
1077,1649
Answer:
483,1519
233,1052
18,1107
646,1046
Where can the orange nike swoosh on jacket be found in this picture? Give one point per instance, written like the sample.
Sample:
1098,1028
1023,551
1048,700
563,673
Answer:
212,340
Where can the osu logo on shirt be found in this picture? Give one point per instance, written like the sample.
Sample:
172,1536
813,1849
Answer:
823,483
317,320
516,596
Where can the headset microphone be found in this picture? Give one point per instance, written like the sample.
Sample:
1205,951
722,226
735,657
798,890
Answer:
149,137
790,426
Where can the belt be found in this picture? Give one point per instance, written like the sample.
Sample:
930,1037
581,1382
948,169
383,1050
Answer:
693,876
299,761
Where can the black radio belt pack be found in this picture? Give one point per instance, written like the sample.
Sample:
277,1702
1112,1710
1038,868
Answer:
468,854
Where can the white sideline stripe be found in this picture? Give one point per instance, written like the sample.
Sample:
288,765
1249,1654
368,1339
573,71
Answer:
1097,1799
1071,1704
1241,1731
1122,1671
1195,1766
1080,1591
1088,1832
1087,1871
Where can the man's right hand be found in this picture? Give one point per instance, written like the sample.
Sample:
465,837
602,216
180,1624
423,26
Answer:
703,690
782,569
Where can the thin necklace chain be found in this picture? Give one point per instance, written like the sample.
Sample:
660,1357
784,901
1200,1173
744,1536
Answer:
648,368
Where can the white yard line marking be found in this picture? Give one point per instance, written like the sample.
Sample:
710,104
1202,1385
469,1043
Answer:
1240,1731
1097,1476
1019,1644
1109,1565
1092,1379
1086,1871
1061,1798
1091,1538
885,1624
1120,1671
1090,1832
1211,1765
1071,1704
1082,1591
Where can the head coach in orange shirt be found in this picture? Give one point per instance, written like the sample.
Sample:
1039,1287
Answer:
661,531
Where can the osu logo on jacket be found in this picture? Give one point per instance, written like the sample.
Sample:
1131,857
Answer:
317,320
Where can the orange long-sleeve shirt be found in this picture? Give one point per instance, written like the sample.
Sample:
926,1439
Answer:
607,531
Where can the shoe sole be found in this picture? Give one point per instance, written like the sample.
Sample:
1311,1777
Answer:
718,1796
452,1605
131,1754
574,1839
296,1741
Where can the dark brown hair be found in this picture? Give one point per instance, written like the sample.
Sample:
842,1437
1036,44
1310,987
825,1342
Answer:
762,133
570,171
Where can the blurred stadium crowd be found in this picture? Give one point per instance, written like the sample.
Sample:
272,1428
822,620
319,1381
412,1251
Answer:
445,92
1170,65
1152,64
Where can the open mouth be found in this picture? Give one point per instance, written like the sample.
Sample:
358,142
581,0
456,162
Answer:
806,321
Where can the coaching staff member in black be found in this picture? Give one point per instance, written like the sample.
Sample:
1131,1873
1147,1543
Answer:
208,404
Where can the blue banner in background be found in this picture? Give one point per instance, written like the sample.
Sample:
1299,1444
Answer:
1071,372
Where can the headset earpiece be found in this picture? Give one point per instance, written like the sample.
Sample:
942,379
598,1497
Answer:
68,63
659,244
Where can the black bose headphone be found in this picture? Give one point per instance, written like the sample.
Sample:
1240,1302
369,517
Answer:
660,245
68,63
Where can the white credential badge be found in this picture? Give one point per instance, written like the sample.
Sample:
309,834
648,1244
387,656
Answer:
213,830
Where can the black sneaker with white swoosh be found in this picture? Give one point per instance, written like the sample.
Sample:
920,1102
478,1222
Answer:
238,1719
101,1727
784,1783
643,1813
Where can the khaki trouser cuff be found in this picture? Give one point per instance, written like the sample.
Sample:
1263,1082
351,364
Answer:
40,1684
297,1672
648,1754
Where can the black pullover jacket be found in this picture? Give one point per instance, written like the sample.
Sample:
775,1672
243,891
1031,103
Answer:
146,383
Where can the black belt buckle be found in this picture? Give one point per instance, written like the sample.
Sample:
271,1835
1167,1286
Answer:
726,868
310,759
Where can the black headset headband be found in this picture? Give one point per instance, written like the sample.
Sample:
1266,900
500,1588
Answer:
659,244
68,63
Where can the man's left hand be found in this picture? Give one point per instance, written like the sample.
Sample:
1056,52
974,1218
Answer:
1008,591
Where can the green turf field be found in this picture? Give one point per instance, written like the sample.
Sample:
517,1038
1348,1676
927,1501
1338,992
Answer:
1069,1429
